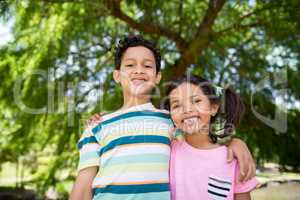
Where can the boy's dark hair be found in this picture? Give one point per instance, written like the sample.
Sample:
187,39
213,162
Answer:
233,105
133,41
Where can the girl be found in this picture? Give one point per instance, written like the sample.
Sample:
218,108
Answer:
199,169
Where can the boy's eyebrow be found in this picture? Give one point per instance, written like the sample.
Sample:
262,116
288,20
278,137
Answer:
130,59
146,59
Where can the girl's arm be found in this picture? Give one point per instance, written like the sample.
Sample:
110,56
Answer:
242,196
82,188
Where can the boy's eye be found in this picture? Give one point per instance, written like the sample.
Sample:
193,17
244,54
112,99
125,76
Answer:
129,65
148,66
197,100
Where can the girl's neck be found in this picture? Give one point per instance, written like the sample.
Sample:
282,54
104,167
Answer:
200,140
130,101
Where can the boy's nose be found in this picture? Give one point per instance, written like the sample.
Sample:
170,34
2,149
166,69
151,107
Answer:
138,69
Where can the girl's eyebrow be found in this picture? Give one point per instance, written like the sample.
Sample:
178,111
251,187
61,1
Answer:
174,101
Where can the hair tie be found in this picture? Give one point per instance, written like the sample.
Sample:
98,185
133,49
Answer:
219,90
219,128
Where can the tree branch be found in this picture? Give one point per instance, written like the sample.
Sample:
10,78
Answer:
214,7
180,11
200,42
238,26
115,8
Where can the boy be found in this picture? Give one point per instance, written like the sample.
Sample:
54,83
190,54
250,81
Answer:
126,156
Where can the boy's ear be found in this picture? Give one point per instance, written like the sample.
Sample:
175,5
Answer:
158,78
214,109
116,75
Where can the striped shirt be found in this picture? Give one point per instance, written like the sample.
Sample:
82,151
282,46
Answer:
132,150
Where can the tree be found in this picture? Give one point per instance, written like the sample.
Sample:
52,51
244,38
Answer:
62,53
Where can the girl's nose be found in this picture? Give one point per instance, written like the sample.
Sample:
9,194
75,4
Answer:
187,108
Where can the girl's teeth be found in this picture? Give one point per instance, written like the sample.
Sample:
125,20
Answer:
190,121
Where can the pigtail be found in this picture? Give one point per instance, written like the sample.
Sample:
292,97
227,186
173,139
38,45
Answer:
234,110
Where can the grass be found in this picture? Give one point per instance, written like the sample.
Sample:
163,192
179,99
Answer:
273,191
286,191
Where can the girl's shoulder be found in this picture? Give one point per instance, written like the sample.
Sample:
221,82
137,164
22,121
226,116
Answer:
176,143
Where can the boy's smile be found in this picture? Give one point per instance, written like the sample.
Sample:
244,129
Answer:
137,80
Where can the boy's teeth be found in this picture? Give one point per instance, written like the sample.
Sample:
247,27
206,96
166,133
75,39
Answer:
190,121
137,81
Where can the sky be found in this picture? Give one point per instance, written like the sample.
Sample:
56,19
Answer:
5,32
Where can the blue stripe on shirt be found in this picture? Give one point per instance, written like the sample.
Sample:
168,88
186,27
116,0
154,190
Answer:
135,139
133,189
97,128
86,140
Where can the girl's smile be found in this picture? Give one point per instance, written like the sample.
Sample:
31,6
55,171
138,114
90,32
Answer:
191,110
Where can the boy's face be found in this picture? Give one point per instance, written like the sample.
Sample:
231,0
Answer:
137,74
191,109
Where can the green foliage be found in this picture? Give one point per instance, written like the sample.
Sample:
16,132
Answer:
70,43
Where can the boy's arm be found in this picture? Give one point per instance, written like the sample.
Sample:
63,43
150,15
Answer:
242,196
82,188
88,165
238,149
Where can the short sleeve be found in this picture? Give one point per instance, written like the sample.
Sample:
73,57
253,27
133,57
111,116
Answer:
89,149
247,186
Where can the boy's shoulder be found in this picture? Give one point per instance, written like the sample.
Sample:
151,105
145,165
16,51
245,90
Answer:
130,115
133,112
162,111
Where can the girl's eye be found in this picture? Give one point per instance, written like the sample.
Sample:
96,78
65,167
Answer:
175,106
197,100
148,66
129,65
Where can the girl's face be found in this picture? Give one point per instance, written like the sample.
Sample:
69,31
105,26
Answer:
191,109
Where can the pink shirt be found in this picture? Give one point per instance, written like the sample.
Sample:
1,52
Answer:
204,174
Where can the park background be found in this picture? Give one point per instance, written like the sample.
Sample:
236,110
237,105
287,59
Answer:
56,59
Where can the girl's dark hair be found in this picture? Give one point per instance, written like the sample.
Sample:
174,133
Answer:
231,106
133,41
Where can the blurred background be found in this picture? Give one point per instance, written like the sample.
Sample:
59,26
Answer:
56,59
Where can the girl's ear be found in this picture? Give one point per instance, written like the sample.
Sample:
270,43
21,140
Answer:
214,109
116,75
158,78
